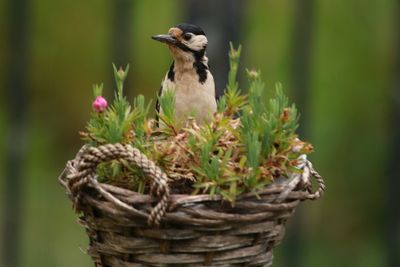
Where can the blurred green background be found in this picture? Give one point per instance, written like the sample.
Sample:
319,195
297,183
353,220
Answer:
338,60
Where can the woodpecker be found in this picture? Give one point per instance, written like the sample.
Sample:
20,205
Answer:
189,75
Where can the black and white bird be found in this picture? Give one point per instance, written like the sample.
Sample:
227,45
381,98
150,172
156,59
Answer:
189,75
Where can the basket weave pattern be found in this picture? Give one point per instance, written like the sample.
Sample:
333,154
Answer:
128,229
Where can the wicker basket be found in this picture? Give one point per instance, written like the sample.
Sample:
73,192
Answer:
131,229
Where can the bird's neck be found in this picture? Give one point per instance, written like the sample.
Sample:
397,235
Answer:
182,65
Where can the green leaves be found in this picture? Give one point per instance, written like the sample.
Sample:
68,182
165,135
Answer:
234,56
249,142
120,76
258,150
115,124
97,90
167,112
167,104
140,122
281,119
232,101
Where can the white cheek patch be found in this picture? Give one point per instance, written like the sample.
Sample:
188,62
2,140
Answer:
197,42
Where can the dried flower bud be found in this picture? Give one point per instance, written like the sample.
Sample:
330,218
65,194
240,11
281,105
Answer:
253,74
285,114
100,104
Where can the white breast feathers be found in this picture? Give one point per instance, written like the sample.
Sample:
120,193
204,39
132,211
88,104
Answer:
192,97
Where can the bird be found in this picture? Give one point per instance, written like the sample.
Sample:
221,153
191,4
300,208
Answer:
189,75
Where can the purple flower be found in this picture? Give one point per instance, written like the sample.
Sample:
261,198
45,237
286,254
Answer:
100,104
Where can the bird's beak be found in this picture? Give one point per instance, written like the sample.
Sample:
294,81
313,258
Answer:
165,38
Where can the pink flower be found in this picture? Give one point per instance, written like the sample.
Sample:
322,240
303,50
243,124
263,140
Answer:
100,104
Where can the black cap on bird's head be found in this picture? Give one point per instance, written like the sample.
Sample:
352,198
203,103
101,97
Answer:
186,37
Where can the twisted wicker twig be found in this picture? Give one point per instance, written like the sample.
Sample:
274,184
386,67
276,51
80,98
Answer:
82,171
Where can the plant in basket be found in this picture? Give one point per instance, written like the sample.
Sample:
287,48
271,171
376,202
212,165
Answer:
178,191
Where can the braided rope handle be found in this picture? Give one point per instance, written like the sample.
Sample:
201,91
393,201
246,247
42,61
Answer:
303,179
83,171
321,183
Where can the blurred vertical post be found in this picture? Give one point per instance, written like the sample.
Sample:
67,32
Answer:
392,229
17,104
121,35
300,73
300,69
220,29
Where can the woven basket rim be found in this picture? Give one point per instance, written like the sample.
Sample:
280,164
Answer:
77,172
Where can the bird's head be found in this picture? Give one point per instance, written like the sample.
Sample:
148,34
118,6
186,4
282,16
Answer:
186,41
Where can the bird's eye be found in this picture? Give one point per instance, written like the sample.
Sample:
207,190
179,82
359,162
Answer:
187,36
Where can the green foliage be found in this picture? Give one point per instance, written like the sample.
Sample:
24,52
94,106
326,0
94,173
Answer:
275,122
232,101
140,125
120,123
264,138
249,141
97,90
167,111
281,120
115,123
120,76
